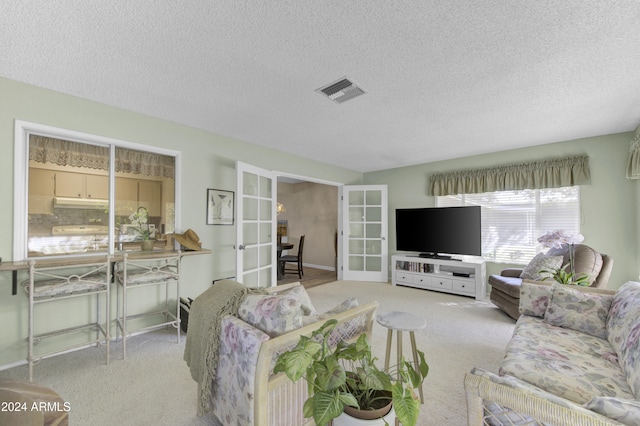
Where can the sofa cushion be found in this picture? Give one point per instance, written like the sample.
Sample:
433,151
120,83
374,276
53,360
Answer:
344,306
272,314
565,362
622,410
585,312
302,295
623,331
535,298
541,262
65,286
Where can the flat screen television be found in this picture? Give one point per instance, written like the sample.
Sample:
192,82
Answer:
439,231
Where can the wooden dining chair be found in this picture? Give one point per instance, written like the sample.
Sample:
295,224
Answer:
297,259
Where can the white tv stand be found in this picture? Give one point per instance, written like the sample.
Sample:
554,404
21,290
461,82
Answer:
466,277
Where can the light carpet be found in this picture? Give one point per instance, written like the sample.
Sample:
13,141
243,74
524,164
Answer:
153,385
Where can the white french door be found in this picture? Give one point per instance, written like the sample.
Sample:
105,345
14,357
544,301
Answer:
365,252
256,229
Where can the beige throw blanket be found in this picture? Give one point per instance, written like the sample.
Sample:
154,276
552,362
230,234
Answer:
203,337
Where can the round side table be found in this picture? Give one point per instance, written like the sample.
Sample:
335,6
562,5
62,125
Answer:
399,322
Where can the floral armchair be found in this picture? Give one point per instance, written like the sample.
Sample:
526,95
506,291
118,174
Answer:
245,391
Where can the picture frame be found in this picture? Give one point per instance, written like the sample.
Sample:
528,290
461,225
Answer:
220,207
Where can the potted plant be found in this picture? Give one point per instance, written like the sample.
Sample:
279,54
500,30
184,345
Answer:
141,221
345,375
566,274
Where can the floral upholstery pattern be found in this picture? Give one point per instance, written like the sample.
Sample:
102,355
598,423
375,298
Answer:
581,346
235,388
535,298
273,314
233,396
580,311
564,362
65,286
622,410
342,307
301,294
623,326
539,263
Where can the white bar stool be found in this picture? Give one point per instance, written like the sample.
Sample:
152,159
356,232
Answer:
399,322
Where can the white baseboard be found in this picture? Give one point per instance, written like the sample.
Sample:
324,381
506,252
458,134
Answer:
323,267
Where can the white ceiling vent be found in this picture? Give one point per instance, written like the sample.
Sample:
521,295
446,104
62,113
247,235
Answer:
341,90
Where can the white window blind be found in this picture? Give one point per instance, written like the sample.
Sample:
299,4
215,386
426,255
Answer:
512,221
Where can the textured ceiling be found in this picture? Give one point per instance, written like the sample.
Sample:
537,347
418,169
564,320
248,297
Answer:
443,79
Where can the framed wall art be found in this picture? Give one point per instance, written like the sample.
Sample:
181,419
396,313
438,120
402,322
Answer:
220,207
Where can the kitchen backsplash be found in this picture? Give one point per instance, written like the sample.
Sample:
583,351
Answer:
41,224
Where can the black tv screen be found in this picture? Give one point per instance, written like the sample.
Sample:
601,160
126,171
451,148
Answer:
439,230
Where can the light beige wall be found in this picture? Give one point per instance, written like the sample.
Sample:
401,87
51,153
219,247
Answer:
609,209
312,210
208,161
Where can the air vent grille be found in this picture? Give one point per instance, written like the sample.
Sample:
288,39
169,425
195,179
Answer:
341,90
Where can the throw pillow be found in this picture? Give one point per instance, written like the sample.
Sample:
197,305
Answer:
342,307
622,410
541,262
578,310
272,314
534,298
303,296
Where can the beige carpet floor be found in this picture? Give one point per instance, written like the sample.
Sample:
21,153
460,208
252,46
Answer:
153,386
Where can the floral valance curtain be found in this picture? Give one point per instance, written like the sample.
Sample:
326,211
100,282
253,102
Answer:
633,167
76,154
66,153
144,163
554,173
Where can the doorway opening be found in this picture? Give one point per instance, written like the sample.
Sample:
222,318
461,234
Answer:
311,208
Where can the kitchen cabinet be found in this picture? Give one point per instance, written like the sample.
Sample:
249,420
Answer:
150,196
77,185
134,193
41,191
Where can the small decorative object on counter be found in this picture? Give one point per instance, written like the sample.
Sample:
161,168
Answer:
189,240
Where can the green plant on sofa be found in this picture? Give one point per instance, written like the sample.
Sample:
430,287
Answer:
565,274
346,375
561,276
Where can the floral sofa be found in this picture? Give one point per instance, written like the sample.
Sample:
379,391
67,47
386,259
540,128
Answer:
245,392
574,359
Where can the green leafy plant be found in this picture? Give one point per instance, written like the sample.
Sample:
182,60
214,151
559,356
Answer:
346,375
562,276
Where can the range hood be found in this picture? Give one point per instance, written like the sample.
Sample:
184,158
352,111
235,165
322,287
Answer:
80,203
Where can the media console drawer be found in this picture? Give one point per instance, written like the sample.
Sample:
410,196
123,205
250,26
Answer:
442,283
464,286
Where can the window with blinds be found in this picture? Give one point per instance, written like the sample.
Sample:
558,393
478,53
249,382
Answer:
512,221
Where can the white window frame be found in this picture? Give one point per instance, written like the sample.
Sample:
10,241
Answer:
22,130
524,252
